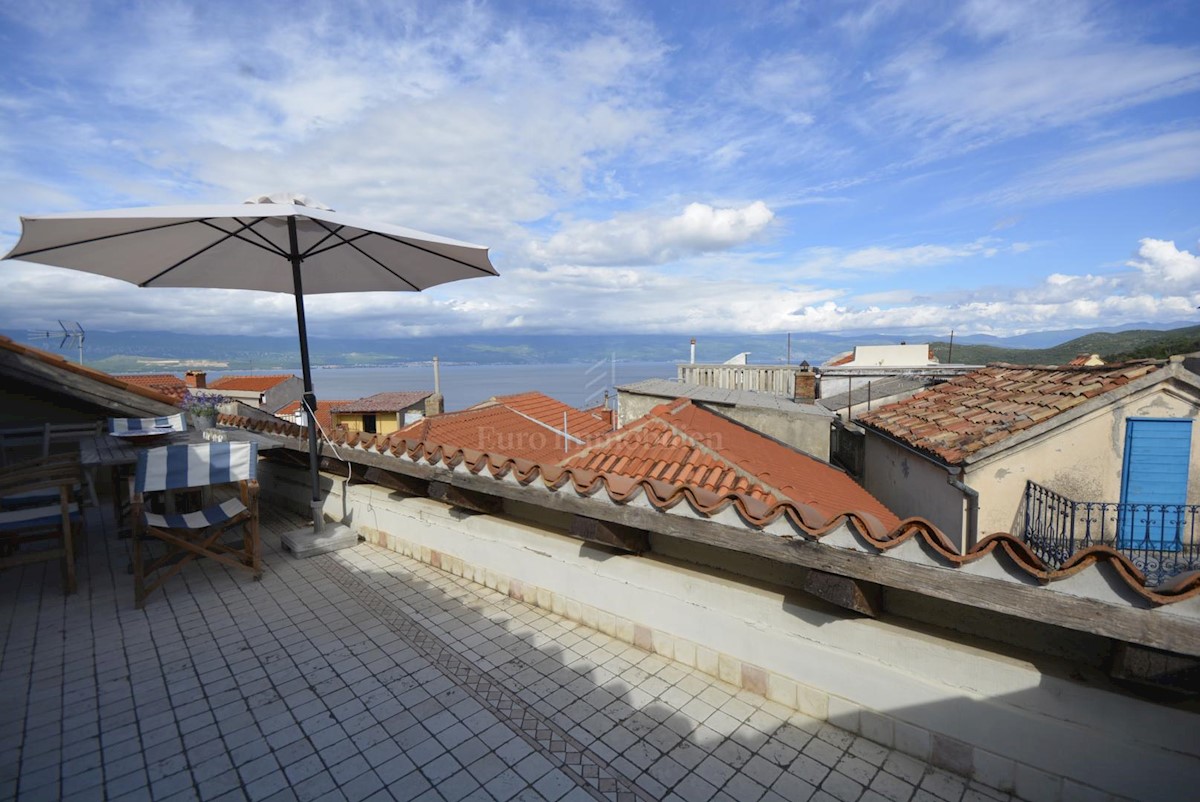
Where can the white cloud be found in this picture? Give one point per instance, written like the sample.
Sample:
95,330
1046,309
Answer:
1048,68
1162,263
646,239
878,259
1159,159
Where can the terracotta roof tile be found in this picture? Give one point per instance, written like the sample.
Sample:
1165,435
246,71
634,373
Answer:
165,383
982,408
383,402
59,362
688,445
882,535
524,426
249,383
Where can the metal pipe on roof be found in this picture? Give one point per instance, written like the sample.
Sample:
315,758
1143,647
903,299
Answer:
693,351
972,533
437,376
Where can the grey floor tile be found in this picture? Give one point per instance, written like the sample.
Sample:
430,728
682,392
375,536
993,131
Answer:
367,675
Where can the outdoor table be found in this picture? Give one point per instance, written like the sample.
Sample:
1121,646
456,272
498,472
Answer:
106,451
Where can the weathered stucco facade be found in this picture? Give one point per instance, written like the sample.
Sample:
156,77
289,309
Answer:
1078,455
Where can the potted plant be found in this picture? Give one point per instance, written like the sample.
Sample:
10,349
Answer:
203,408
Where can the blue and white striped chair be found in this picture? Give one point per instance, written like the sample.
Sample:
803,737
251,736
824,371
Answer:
57,518
176,423
190,535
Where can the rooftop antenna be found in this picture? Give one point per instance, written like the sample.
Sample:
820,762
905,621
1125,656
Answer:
72,332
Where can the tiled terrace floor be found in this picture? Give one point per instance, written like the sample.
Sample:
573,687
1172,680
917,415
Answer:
366,675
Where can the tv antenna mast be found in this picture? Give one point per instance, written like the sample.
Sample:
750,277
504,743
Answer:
71,332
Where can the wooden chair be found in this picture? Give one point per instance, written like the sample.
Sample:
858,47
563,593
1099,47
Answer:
37,503
190,535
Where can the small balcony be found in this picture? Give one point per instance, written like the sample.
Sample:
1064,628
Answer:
1160,539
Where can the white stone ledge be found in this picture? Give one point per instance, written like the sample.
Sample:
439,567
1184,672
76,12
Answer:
987,714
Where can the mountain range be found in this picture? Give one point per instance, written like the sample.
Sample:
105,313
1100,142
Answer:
140,351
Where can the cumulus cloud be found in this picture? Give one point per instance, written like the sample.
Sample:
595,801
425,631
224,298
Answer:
1161,283
647,239
1161,263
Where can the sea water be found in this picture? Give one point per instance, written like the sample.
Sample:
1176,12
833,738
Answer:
579,385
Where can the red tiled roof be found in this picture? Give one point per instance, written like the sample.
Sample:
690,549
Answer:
1083,359
249,383
840,359
384,402
60,363
960,417
581,424
523,426
165,383
495,429
807,522
684,444
324,412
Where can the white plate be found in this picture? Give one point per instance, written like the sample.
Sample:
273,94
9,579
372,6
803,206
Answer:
156,432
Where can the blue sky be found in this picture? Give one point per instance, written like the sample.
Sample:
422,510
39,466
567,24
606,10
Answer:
909,167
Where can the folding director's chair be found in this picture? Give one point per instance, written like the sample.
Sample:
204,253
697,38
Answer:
223,467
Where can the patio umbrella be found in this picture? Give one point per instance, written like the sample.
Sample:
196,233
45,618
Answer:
277,243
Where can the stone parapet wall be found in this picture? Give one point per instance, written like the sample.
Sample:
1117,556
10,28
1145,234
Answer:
982,710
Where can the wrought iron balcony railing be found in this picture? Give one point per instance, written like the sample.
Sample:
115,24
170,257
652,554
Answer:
1160,539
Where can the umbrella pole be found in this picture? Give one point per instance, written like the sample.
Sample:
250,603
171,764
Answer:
310,399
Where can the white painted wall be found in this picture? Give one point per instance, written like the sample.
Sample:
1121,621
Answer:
1011,721
890,356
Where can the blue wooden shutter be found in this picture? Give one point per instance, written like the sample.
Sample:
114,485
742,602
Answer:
1154,482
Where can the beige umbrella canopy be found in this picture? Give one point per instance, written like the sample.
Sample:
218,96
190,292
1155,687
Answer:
276,243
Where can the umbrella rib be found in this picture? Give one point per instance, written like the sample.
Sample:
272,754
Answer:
215,243
269,246
398,241
351,244
89,241
331,233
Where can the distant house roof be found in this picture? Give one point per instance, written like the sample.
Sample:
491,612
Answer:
52,374
1086,360
523,426
165,383
324,412
961,417
249,383
383,402
839,359
672,389
681,443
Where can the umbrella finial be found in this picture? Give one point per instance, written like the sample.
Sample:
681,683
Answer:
289,199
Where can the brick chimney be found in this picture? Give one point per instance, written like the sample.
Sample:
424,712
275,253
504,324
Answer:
805,387
197,379
435,404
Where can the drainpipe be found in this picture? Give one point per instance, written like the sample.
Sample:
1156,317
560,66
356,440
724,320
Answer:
955,481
